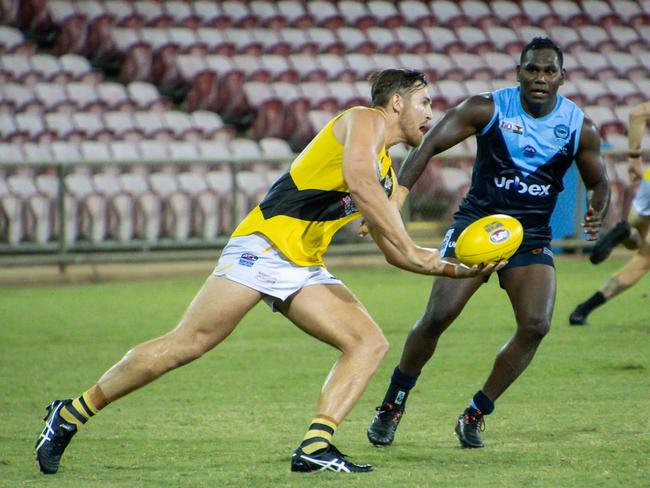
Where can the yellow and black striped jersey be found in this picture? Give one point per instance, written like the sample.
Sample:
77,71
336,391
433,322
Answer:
307,205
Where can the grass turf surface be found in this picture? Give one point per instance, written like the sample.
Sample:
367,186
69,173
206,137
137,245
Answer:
577,417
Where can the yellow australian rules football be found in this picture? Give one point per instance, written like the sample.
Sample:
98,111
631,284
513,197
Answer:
489,240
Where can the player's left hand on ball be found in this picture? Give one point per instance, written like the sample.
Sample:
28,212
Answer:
592,224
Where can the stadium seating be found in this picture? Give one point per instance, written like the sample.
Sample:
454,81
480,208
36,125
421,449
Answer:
177,81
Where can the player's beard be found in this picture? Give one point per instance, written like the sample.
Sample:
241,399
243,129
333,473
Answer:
412,134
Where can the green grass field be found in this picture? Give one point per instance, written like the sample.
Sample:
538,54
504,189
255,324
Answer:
577,417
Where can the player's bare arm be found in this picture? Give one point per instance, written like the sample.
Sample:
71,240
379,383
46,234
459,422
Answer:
437,266
459,123
592,170
637,122
363,133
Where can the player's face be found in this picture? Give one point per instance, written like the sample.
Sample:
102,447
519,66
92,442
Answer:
416,116
540,76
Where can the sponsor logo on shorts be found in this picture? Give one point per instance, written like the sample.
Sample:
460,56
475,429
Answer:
247,259
499,235
264,278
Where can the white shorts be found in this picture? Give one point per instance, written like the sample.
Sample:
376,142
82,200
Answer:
256,263
641,201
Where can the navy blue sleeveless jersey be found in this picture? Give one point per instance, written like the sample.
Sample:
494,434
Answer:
520,162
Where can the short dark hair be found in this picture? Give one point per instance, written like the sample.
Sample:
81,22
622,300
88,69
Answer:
542,43
389,81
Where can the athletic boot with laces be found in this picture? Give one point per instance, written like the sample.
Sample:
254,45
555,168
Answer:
381,431
603,248
578,316
469,426
55,437
330,459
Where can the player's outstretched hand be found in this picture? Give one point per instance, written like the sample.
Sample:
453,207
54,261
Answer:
459,270
430,262
591,225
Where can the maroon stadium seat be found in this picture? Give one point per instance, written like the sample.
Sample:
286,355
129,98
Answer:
539,13
13,42
479,13
444,40
413,39
448,13
600,12
211,14
268,14
356,40
357,14
505,39
91,125
597,38
239,14
385,40
509,12
417,13
84,96
325,14
475,39
295,14
386,13
569,13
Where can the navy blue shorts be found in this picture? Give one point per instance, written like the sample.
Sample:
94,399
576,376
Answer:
531,251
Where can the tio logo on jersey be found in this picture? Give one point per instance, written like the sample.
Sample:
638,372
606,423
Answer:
520,187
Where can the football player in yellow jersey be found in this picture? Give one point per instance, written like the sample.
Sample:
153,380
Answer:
633,232
275,255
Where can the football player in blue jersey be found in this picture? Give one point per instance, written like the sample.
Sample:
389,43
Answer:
528,136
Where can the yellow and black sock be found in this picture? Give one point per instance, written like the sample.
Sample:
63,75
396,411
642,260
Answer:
319,435
81,409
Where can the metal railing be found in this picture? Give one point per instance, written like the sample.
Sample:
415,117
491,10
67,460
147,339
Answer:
61,252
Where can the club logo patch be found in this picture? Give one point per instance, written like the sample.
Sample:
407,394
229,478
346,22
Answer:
561,131
247,259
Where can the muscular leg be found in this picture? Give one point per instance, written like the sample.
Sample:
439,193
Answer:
639,225
332,314
210,318
638,265
447,299
212,315
531,290
624,278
